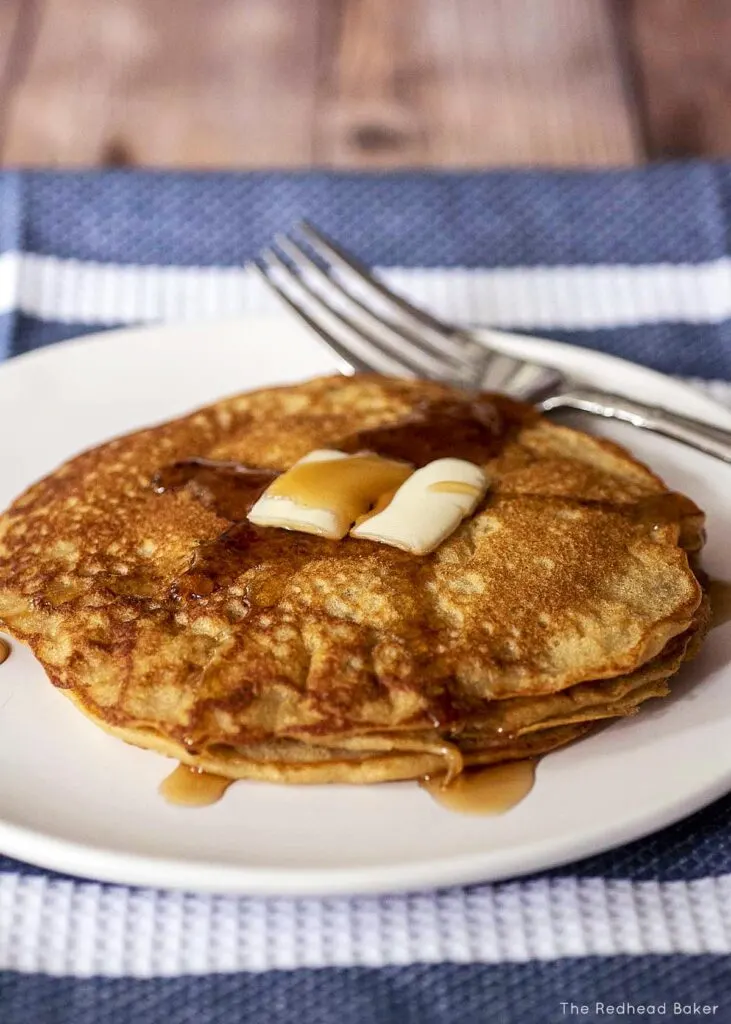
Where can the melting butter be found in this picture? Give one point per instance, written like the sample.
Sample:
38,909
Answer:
427,507
192,787
484,791
327,491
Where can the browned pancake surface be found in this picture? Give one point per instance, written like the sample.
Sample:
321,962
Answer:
163,611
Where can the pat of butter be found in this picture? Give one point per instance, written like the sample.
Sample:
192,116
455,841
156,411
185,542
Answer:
327,491
289,514
428,507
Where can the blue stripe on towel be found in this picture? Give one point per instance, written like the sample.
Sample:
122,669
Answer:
529,993
672,213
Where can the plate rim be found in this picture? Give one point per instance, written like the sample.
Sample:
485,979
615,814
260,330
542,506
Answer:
103,865
504,341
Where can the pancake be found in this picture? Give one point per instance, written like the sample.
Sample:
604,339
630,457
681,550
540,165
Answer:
567,598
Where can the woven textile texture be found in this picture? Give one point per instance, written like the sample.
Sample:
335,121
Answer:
636,263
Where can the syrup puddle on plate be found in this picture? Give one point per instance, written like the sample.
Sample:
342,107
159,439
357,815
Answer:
719,592
191,787
4,651
484,791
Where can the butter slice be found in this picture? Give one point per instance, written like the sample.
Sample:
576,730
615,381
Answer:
428,507
291,515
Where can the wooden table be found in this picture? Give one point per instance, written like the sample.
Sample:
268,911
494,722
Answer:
362,83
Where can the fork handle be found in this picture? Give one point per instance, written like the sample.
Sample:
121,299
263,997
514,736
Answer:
712,440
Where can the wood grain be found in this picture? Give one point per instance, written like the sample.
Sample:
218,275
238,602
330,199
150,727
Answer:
10,11
188,84
526,82
681,54
470,83
340,83
18,28
368,109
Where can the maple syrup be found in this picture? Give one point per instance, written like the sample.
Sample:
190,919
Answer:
192,787
484,791
346,487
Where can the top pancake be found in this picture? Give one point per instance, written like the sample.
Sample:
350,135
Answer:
574,568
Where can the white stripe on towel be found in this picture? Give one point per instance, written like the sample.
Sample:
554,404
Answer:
84,929
569,297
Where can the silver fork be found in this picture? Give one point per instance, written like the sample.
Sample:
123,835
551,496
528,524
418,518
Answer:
370,328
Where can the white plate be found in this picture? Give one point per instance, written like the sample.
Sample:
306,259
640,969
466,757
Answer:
74,799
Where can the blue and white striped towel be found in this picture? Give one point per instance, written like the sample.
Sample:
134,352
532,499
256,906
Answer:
636,263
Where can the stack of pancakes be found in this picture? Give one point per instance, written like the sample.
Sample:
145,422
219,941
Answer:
568,598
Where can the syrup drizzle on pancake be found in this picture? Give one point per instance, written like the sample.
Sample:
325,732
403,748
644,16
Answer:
472,429
229,488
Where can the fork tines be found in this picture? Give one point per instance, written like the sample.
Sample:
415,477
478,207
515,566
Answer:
366,324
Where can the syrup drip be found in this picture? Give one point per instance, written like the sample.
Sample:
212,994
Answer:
454,487
484,791
191,787
4,651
